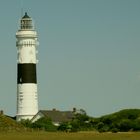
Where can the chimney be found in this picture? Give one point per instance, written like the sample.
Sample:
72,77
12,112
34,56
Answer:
54,109
1,112
74,109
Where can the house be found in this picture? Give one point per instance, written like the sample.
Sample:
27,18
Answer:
56,116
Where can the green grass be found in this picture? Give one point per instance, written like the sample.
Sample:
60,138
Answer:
69,136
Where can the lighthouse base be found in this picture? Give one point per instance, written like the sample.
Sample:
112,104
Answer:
24,117
27,101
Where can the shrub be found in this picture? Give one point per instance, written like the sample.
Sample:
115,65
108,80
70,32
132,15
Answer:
44,124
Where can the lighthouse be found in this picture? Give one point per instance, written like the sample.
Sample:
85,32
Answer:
27,97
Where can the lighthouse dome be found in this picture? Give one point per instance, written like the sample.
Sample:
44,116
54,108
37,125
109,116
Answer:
25,16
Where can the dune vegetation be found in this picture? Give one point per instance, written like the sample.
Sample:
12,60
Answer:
69,136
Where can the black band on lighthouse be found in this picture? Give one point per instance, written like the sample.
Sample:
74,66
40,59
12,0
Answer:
26,73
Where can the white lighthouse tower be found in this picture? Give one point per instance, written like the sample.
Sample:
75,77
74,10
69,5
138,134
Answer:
27,99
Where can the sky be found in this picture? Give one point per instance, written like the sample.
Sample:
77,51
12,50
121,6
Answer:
89,54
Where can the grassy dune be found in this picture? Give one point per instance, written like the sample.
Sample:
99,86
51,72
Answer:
69,136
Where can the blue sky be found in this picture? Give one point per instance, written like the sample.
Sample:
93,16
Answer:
89,54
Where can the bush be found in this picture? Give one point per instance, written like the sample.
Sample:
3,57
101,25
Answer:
115,130
66,126
44,124
125,125
26,123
